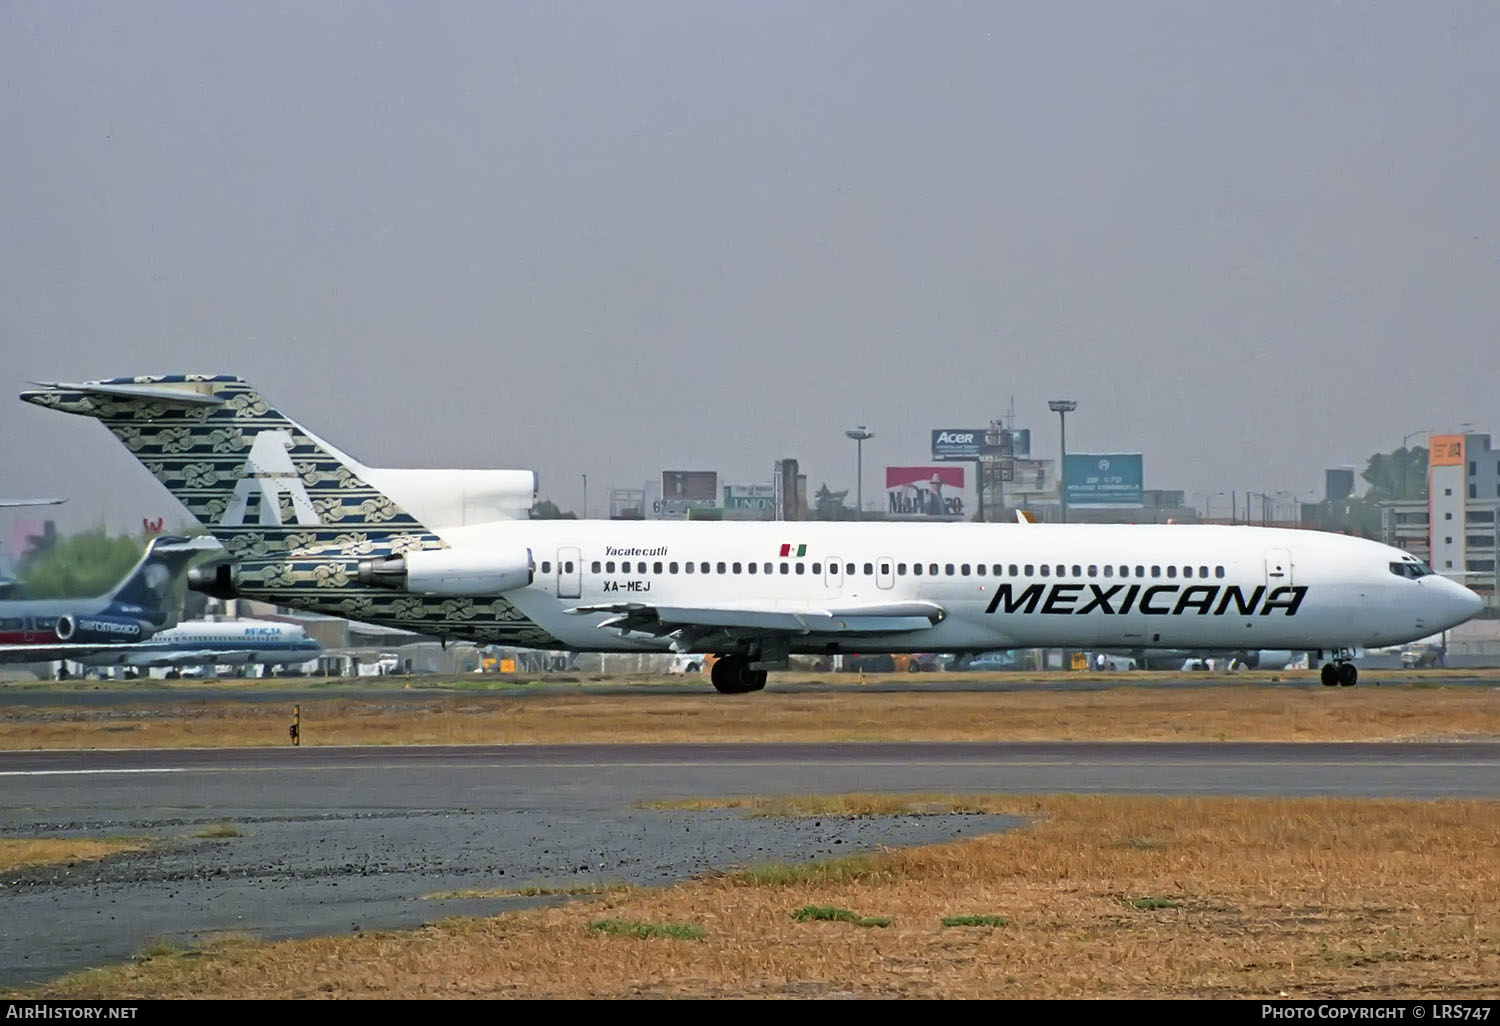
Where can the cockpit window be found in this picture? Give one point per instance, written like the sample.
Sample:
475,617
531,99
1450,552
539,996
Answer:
1412,569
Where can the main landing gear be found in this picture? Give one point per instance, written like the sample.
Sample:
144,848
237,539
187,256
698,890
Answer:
1339,674
731,675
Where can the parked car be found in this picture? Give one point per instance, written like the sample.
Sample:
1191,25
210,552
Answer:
1004,659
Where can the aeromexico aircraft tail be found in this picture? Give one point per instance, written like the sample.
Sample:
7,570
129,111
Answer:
295,515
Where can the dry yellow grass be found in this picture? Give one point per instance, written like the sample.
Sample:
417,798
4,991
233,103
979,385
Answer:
1306,897
16,853
1241,713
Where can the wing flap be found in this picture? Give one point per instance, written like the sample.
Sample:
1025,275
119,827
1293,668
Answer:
863,619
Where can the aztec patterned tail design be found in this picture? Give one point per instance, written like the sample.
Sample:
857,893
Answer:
290,510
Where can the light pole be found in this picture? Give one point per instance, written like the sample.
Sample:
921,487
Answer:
859,434
1062,407
1208,503
585,496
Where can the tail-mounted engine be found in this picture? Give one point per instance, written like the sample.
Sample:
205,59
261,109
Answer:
455,572
215,580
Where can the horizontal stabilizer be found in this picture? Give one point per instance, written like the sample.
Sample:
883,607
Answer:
182,393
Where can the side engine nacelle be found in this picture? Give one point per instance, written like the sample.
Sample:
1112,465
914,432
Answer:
99,629
215,580
453,572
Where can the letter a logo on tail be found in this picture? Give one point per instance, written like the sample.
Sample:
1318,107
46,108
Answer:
269,474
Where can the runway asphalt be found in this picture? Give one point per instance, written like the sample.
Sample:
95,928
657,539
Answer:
332,839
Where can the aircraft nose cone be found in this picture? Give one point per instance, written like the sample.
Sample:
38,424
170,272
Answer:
1459,603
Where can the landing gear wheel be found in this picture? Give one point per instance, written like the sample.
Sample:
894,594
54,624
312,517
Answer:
732,675
1330,675
1348,675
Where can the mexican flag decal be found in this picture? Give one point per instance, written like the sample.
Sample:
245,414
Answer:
786,550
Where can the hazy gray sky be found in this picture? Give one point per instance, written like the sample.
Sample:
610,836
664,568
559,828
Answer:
1250,239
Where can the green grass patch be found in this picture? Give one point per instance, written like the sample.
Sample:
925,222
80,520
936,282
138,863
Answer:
829,914
975,921
1153,903
158,947
830,871
628,928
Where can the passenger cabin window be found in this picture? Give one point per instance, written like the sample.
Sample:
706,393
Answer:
1061,570
722,568
767,568
963,568
750,567
869,569
1218,571
546,566
932,569
848,569
1203,571
979,569
900,569
640,567
1077,570
916,568
736,568
1187,571
1171,571
1156,571
1013,570
1093,570
786,568
687,567
885,569
595,567
609,567
702,568
801,568
656,567
672,567
568,567
817,568
1109,570
1029,569
1046,570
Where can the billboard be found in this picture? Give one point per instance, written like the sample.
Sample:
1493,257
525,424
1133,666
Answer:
1446,451
1103,478
957,443
756,498
681,490
924,491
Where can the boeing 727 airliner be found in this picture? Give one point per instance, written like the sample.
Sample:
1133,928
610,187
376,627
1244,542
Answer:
306,525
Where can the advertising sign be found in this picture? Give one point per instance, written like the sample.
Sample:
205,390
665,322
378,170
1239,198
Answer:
1446,451
1103,479
758,498
924,491
957,443
682,490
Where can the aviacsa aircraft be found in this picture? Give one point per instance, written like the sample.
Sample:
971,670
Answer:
43,630
212,642
306,525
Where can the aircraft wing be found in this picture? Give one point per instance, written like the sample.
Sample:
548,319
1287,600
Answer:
697,627
31,502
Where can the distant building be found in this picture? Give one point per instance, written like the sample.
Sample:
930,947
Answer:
1456,529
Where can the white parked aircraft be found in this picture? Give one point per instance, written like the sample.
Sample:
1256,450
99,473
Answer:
306,525
212,642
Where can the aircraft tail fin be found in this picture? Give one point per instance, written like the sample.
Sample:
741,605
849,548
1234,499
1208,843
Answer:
147,583
263,485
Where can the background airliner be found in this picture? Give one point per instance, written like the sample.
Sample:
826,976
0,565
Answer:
214,642
42,630
306,525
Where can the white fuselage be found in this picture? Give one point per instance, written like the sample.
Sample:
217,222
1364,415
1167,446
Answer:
208,642
1000,585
